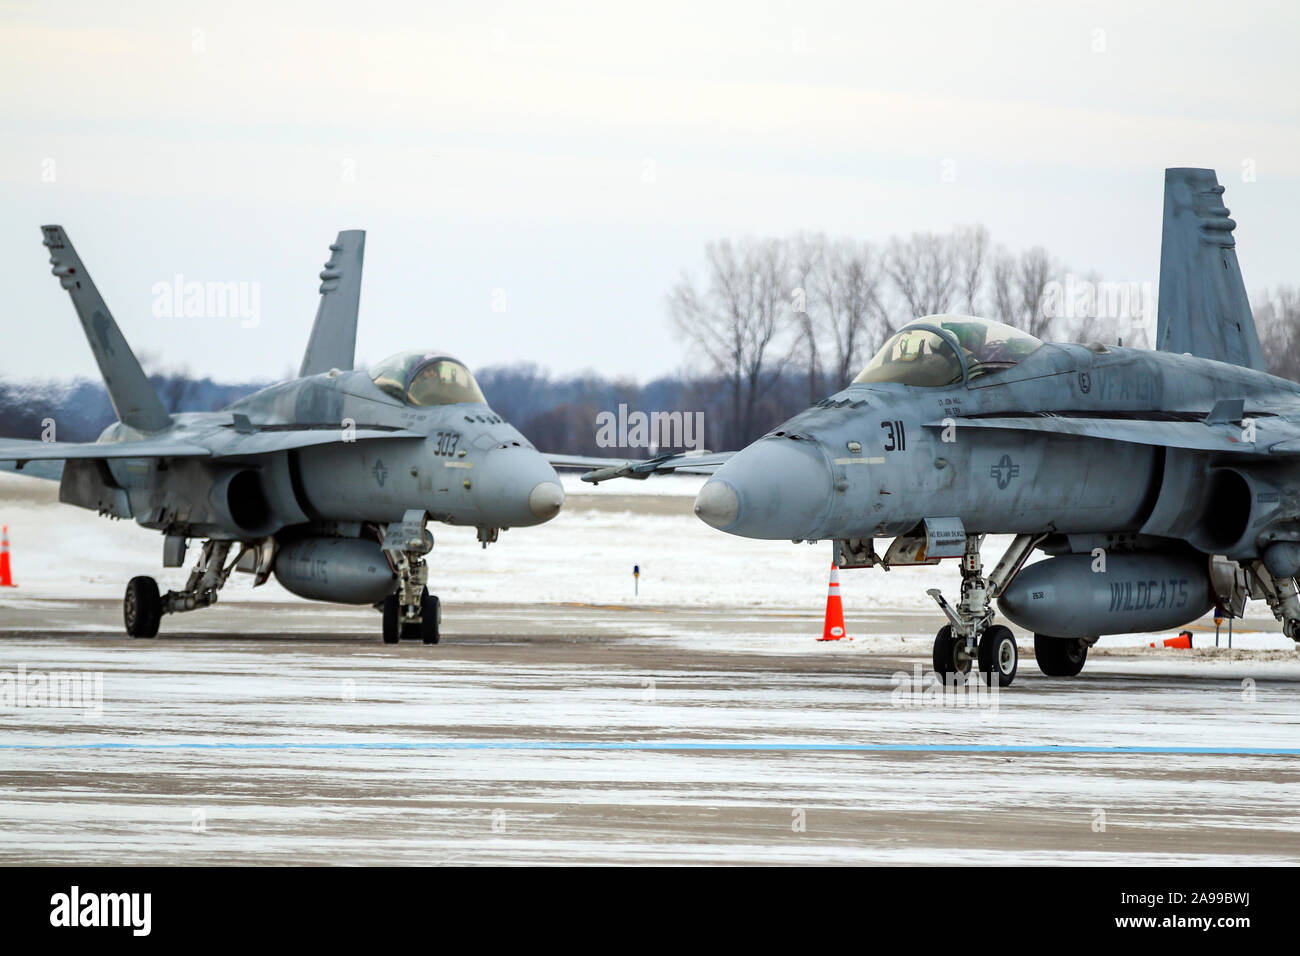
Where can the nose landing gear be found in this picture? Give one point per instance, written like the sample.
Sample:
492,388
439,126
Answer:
971,634
411,612
398,626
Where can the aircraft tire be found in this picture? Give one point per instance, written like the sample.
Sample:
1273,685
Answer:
416,632
431,618
946,660
1059,656
998,655
142,607
392,629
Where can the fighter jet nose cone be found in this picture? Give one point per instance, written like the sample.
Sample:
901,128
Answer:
545,500
776,488
514,487
717,504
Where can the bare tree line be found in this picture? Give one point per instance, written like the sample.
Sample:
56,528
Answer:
1277,319
781,323
825,305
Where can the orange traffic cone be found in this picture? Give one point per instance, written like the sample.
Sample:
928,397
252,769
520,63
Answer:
833,629
6,576
1183,640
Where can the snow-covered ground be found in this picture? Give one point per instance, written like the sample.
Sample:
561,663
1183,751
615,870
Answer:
581,555
311,752
312,742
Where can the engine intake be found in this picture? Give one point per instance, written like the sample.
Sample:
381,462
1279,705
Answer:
239,500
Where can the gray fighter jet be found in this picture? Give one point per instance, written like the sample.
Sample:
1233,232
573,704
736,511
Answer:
1161,483
327,481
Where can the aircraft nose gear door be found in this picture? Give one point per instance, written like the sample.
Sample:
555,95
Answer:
412,612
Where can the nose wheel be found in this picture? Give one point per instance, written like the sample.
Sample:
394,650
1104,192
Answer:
998,655
400,625
411,612
950,655
430,620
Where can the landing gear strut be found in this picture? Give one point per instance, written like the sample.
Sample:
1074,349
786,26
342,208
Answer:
411,612
1283,597
143,607
971,634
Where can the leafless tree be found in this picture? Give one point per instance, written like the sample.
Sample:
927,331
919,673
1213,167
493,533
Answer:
739,319
807,257
815,307
847,297
970,249
1019,283
1277,319
924,274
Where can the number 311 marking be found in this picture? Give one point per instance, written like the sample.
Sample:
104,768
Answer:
896,436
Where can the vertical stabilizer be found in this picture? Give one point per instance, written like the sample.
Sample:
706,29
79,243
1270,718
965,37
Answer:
333,339
1203,307
129,389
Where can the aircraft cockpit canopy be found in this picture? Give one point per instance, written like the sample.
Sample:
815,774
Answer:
425,379
918,355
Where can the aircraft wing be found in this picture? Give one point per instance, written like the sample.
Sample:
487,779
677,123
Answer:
233,444
16,450
49,470
260,441
603,469
1273,436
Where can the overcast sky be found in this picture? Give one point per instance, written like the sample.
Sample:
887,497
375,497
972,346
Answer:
533,177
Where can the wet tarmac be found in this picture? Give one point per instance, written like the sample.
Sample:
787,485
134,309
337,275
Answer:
576,733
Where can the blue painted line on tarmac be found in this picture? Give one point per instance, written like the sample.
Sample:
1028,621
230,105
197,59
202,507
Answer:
677,747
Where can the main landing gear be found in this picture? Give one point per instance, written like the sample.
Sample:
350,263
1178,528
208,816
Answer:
1060,656
411,612
971,637
143,607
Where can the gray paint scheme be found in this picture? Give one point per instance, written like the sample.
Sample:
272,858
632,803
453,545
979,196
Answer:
1203,309
1178,454
133,398
333,339
327,456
